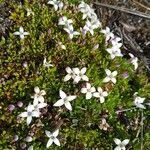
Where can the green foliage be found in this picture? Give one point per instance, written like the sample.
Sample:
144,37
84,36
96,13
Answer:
79,128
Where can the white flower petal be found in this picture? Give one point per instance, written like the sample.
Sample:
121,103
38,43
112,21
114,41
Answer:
96,94
29,119
24,114
36,90
35,113
117,141
77,79
84,90
114,73
113,80
68,105
59,103
49,143
16,33
88,95
55,133
76,71
62,94
108,72
85,78
67,77
21,36
107,79
102,99
21,29
93,89
48,133
72,97
68,70
83,70
117,148
125,142
56,141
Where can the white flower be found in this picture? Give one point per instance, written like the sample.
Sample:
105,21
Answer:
52,138
100,94
30,148
114,51
121,145
138,102
64,21
104,125
29,12
46,64
28,139
134,61
88,90
80,75
30,113
110,76
38,96
21,33
115,40
56,3
89,27
65,100
107,33
70,74
71,31
86,10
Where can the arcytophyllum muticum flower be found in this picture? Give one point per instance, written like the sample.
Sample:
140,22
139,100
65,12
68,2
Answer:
65,100
30,148
38,96
80,75
108,34
138,102
134,61
29,12
64,21
71,31
114,51
104,125
121,145
52,138
70,74
111,76
88,90
47,64
100,94
21,33
87,11
30,113
56,3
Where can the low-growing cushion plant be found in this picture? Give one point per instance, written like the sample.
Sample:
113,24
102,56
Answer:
65,83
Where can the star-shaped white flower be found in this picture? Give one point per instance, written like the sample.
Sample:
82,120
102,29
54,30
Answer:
88,90
47,64
38,96
56,3
121,145
71,31
70,74
52,138
111,76
108,33
134,61
30,113
21,33
64,21
87,11
80,75
65,100
29,12
138,102
114,51
100,94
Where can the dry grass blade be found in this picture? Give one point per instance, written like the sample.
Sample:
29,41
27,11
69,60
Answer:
129,11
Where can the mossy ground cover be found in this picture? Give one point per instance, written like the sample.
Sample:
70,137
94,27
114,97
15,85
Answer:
22,69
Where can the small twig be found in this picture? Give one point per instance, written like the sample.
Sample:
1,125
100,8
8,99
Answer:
141,5
133,12
142,118
118,111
